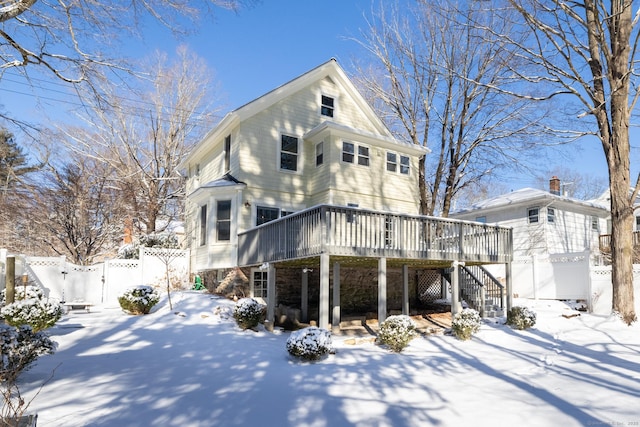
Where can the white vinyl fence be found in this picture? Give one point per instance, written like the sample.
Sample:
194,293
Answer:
102,283
569,276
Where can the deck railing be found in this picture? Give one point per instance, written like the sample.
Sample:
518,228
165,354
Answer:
345,231
605,241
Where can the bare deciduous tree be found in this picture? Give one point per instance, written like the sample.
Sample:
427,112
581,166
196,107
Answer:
434,81
144,142
77,210
588,49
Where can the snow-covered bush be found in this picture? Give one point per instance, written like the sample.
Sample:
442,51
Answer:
396,332
33,312
139,299
521,317
466,323
20,347
22,292
309,343
129,251
248,313
160,240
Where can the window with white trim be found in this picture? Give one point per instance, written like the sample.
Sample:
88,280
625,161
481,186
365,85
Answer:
363,155
392,161
265,214
227,153
534,215
349,153
223,220
595,223
319,153
405,165
203,225
289,153
327,106
259,280
551,215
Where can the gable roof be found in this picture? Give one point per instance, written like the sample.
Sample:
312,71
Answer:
528,197
328,69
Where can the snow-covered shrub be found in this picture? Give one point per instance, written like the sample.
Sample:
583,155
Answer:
466,323
129,251
521,317
139,299
309,343
248,313
160,240
20,347
33,312
396,332
22,292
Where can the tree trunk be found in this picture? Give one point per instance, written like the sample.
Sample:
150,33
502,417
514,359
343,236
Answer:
622,220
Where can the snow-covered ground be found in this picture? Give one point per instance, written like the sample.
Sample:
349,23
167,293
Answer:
194,367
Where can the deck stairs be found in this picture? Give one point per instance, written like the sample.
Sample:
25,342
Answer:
480,290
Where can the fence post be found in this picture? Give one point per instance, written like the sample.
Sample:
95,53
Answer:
10,280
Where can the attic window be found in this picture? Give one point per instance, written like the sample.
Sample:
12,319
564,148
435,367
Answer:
327,106
551,215
534,215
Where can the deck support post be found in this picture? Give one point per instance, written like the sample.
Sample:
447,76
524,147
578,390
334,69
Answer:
509,285
382,290
323,321
335,318
405,289
304,297
271,295
456,306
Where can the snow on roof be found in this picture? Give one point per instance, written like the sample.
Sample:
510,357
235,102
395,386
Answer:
525,196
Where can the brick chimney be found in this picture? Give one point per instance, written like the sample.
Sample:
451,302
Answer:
554,185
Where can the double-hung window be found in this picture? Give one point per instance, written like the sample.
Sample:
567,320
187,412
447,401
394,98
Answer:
203,225
534,215
327,106
223,222
227,153
349,153
289,153
551,215
404,165
392,161
319,153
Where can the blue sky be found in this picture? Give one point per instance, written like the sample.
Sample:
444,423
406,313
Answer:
259,49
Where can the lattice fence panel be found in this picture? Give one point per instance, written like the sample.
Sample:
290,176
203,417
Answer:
429,285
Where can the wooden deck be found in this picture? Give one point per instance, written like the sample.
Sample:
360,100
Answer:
353,233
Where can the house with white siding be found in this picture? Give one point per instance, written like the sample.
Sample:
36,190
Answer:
544,222
307,178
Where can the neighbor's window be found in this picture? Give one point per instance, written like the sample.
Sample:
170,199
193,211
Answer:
392,162
259,280
319,153
534,215
227,153
348,152
595,224
203,225
289,153
482,219
551,215
404,165
327,107
223,223
363,156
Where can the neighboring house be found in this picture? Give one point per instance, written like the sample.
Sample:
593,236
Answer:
544,222
308,176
